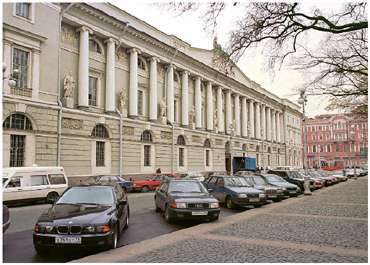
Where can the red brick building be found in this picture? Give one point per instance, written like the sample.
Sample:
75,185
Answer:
336,140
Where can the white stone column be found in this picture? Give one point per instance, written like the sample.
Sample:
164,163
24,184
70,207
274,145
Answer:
7,55
263,121
268,110
170,94
278,127
153,90
209,106
251,119
198,103
35,73
220,114
273,125
132,103
258,121
185,98
244,117
228,111
83,68
237,114
110,99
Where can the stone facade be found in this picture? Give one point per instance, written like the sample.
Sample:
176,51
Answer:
145,80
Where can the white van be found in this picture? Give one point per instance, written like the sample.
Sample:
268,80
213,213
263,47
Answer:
22,184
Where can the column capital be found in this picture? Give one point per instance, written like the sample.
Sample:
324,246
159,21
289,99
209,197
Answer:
111,40
134,49
170,65
84,28
155,59
185,72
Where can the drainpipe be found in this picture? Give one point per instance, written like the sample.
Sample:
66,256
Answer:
120,141
59,128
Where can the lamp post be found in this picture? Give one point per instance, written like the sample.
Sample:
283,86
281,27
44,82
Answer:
173,144
232,130
263,149
11,77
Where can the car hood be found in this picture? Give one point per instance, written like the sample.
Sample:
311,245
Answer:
244,189
193,197
62,213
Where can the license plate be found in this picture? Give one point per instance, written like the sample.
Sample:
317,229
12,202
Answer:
292,192
68,240
272,196
254,199
199,213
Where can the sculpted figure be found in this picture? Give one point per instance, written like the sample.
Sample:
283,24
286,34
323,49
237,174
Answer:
69,85
162,108
122,99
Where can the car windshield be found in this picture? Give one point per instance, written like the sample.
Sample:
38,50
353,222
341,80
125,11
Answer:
186,187
259,180
235,182
295,174
247,182
87,195
273,178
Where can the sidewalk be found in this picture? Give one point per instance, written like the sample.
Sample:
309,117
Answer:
329,226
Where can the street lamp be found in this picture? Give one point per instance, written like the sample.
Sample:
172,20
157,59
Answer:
173,143
11,81
232,130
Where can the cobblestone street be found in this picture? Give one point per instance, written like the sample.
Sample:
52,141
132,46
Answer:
329,226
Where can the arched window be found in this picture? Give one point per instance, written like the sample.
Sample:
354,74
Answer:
94,46
244,147
181,140
146,136
141,64
100,131
17,121
207,143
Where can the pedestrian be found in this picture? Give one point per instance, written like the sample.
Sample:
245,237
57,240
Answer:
158,171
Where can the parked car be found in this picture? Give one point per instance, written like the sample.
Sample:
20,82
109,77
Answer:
291,176
84,216
272,192
339,175
234,192
209,174
25,184
192,175
125,184
330,178
185,199
315,181
6,218
289,189
152,182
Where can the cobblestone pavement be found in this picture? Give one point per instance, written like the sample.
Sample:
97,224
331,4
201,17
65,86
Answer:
329,226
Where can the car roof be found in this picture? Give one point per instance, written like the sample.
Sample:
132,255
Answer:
12,170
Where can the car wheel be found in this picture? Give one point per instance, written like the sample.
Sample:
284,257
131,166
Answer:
167,216
114,240
157,209
145,189
41,251
126,221
52,197
229,203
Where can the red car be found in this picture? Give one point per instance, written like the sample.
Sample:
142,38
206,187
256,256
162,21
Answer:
152,182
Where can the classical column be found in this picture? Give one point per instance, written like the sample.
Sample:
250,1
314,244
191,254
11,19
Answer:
228,110
132,103
263,121
185,98
198,103
170,93
153,91
268,111
258,121
220,114
35,73
278,128
273,125
110,100
209,106
237,114
83,68
251,119
244,117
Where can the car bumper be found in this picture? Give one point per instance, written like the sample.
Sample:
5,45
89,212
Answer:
194,214
247,202
275,197
87,241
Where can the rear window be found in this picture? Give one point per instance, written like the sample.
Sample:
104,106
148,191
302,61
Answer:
55,179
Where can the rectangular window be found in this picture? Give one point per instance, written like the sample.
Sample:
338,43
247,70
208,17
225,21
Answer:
146,155
93,83
181,157
23,10
56,179
21,64
175,110
207,158
17,148
39,180
100,155
140,99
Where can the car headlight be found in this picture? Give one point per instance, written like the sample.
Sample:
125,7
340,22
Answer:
89,229
180,205
242,195
262,195
214,205
49,228
43,228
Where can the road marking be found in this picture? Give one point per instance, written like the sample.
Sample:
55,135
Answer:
286,244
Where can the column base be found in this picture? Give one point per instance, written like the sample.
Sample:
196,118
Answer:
135,117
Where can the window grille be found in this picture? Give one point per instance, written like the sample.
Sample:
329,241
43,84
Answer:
207,143
207,158
23,10
100,154
147,155
17,149
17,121
180,140
100,131
146,136
21,64
140,96
93,83
181,157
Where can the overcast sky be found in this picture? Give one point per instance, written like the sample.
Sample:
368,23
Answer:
190,28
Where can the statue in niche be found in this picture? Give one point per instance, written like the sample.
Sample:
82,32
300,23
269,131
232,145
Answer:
69,85
192,115
162,108
122,99
215,120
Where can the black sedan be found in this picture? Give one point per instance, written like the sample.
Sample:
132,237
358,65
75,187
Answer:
91,216
290,190
125,184
185,199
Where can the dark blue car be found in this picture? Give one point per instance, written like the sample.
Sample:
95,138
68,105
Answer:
125,184
234,191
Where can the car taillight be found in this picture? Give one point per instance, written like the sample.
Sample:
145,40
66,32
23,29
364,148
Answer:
106,228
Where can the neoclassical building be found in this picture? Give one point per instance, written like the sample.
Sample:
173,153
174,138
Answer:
99,91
